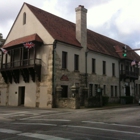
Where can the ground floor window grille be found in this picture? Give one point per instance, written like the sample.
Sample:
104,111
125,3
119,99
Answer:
111,91
115,91
90,89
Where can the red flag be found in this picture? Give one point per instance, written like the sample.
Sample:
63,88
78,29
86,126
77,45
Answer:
28,45
4,51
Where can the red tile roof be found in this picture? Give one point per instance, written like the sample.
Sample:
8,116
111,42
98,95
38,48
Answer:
33,37
65,31
60,29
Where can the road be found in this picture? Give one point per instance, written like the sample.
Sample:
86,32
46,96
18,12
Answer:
20,123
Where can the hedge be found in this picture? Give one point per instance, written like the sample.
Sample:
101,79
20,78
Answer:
126,99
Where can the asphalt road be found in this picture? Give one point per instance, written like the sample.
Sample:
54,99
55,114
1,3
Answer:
20,123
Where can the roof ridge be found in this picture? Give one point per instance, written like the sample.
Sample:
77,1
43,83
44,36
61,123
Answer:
50,13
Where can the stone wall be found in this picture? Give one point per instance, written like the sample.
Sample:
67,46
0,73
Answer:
4,96
72,103
45,86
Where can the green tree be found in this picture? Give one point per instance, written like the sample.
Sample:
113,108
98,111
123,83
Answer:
1,39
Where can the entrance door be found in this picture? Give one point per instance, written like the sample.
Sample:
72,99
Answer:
127,89
64,91
21,95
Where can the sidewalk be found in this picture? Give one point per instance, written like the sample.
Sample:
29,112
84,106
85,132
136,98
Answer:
109,106
116,106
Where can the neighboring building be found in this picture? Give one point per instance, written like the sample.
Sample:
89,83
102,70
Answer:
64,54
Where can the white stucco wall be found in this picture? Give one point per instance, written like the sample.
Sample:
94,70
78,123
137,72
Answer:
32,26
71,51
30,93
99,58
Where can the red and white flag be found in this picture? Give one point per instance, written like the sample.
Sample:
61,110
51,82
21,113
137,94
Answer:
133,63
4,50
139,64
28,45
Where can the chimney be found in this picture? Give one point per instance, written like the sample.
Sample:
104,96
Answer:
81,25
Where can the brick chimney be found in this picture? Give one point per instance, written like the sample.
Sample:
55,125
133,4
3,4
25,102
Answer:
81,25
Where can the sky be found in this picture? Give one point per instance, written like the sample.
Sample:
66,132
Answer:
117,19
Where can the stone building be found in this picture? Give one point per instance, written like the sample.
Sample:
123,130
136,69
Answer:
64,54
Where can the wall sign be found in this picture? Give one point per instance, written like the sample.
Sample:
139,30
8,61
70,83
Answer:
64,78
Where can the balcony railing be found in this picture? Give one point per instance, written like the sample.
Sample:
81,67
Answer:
129,74
18,64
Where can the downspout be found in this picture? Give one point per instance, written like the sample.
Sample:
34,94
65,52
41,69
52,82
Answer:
86,76
53,72
119,79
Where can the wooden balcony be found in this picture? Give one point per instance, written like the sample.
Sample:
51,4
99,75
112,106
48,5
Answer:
27,68
124,74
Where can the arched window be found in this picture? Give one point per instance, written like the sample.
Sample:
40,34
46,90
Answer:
24,18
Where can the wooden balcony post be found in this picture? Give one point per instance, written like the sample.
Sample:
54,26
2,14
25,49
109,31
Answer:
13,61
34,54
22,56
6,61
28,56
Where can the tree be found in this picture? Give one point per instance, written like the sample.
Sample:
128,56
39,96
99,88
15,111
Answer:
1,39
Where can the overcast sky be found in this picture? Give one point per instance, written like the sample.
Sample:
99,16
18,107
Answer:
117,19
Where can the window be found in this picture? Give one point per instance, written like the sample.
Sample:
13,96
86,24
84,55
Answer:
111,91
139,90
95,88
104,67
126,68
93,65
113,69
104,90
64,91
64,60
25,56
136,89
24,18
115,91
121,67
76,62
90,89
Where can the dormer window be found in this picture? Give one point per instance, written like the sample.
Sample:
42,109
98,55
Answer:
24,18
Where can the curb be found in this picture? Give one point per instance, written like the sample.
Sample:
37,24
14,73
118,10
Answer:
118,106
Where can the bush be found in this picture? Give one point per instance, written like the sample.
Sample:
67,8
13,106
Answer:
126,99
95,101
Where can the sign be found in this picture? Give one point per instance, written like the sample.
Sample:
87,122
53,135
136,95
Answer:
64,78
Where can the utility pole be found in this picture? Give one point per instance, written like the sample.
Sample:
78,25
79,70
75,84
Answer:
128,50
